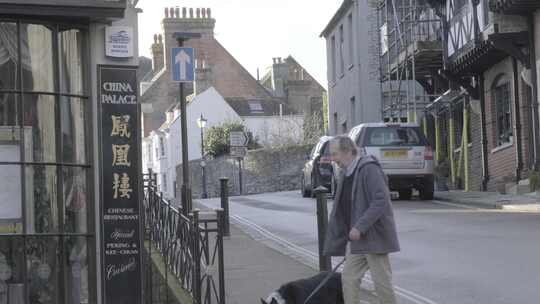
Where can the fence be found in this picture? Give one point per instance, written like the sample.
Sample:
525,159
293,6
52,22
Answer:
191,247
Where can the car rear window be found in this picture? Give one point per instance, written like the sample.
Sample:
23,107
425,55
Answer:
326,149
394,136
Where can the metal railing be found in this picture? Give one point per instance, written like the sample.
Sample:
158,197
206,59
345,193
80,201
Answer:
191,245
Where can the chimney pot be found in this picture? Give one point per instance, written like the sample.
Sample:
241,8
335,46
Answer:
160,39
204,13
184,12
166,13
191,12
177,12
198,13
155,38
209,12
171,12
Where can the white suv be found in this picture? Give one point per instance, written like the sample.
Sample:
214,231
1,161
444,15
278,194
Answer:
404,154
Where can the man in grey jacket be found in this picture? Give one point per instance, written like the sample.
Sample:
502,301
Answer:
361,225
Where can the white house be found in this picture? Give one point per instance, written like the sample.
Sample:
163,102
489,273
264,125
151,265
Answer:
162,149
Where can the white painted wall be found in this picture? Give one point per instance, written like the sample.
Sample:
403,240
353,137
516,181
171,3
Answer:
360,78
214,109
274,130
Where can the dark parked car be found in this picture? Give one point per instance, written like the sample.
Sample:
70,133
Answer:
318,169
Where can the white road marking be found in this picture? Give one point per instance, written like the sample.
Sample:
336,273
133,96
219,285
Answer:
455,205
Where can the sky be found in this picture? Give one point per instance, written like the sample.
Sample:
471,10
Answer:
255,31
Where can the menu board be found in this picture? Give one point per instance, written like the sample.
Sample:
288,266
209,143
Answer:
120,206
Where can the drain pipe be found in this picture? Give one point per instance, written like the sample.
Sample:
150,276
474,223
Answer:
485,169
517,125
534,102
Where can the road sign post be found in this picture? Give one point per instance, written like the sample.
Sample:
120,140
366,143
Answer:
238,141
182,67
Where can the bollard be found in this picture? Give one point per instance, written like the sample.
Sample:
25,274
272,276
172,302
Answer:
225,205
322,224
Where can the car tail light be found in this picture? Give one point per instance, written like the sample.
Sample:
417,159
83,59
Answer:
428,153
325,159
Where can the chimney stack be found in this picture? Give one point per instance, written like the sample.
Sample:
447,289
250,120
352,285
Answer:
186,20
157,53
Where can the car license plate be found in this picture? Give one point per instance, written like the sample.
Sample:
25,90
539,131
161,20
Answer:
395,154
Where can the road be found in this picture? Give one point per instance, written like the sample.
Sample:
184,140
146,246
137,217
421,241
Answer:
450,253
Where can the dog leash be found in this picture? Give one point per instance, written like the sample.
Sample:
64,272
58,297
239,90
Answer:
324,281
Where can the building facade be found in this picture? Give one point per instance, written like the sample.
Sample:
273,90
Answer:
353,66
50,53
162,148
482,116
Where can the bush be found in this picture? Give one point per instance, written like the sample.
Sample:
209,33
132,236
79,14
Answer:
216,138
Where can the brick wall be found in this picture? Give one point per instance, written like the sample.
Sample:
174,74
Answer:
502,160
475,150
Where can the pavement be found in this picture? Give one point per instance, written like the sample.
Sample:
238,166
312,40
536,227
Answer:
492,200
255,267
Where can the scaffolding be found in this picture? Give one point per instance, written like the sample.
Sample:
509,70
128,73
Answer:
410,56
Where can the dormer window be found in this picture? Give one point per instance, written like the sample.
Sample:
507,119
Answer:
255,107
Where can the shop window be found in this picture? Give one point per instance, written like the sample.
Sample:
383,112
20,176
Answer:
502,110
44,165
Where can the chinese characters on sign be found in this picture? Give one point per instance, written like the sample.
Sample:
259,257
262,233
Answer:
121,242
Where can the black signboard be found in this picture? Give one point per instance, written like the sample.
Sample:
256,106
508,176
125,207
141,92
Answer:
120,207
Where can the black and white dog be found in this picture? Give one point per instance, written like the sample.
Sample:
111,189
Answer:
296,292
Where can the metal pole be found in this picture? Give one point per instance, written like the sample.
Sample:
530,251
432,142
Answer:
196,257
240,175
465,148
221,232
203,166
225,205
186,188
322,224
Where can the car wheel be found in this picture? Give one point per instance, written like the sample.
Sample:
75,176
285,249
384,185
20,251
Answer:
405,194
426,193
303,190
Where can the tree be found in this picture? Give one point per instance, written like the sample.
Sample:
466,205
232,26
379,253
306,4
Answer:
216,140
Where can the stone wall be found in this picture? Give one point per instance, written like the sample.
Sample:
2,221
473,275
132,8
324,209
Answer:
265,170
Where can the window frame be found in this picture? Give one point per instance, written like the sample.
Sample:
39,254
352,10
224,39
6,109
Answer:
27,235
503,120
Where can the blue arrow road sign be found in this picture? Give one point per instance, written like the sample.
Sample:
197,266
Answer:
182,62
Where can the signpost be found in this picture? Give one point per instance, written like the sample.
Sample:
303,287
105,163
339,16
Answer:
238,141
120,185
182,67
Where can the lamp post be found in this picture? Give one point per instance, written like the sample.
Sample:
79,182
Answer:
201,122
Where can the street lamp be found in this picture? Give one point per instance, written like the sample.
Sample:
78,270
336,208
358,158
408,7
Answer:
201,122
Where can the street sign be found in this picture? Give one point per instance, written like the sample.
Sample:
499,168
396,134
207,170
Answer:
183,64
238,139
238,151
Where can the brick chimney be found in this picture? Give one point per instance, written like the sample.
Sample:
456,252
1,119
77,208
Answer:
186,20
157,53
280,75
203,72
